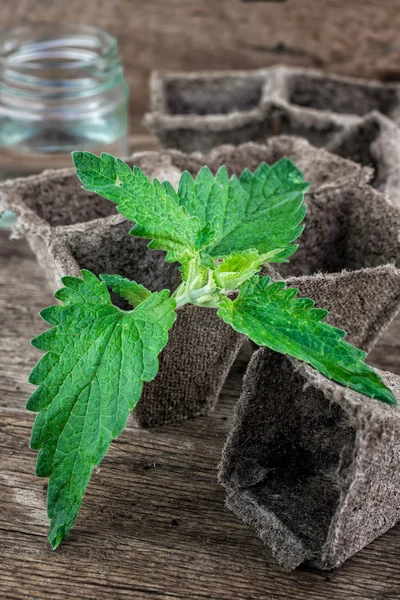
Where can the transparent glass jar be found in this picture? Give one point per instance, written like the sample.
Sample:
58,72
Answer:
61,89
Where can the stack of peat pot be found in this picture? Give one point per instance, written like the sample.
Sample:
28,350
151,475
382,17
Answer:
352,117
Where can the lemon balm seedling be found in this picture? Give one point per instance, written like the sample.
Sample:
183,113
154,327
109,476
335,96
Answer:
221,230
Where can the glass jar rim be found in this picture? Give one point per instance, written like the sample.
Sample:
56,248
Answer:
53,34
66,63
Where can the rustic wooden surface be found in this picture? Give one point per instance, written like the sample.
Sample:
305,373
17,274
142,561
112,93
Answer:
153,525
355,37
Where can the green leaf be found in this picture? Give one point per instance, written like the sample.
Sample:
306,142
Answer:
205,238
260,211
133,292
157,215
91,377
271,315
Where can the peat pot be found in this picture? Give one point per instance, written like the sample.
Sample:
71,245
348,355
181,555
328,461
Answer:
311,465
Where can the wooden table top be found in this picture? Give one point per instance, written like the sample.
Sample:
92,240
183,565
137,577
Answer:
153,524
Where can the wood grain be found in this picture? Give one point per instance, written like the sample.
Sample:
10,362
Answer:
153,524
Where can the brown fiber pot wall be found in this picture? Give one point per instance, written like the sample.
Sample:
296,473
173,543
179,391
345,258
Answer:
355,118
349,226
311,465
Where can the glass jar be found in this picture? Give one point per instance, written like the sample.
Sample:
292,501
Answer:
61,89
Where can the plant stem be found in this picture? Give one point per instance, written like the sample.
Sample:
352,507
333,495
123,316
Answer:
204,296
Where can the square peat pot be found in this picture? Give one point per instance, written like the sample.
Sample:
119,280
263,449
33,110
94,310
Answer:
349,226
312,466
198,111
318,106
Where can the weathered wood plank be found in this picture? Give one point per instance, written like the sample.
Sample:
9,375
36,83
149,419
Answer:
153,524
